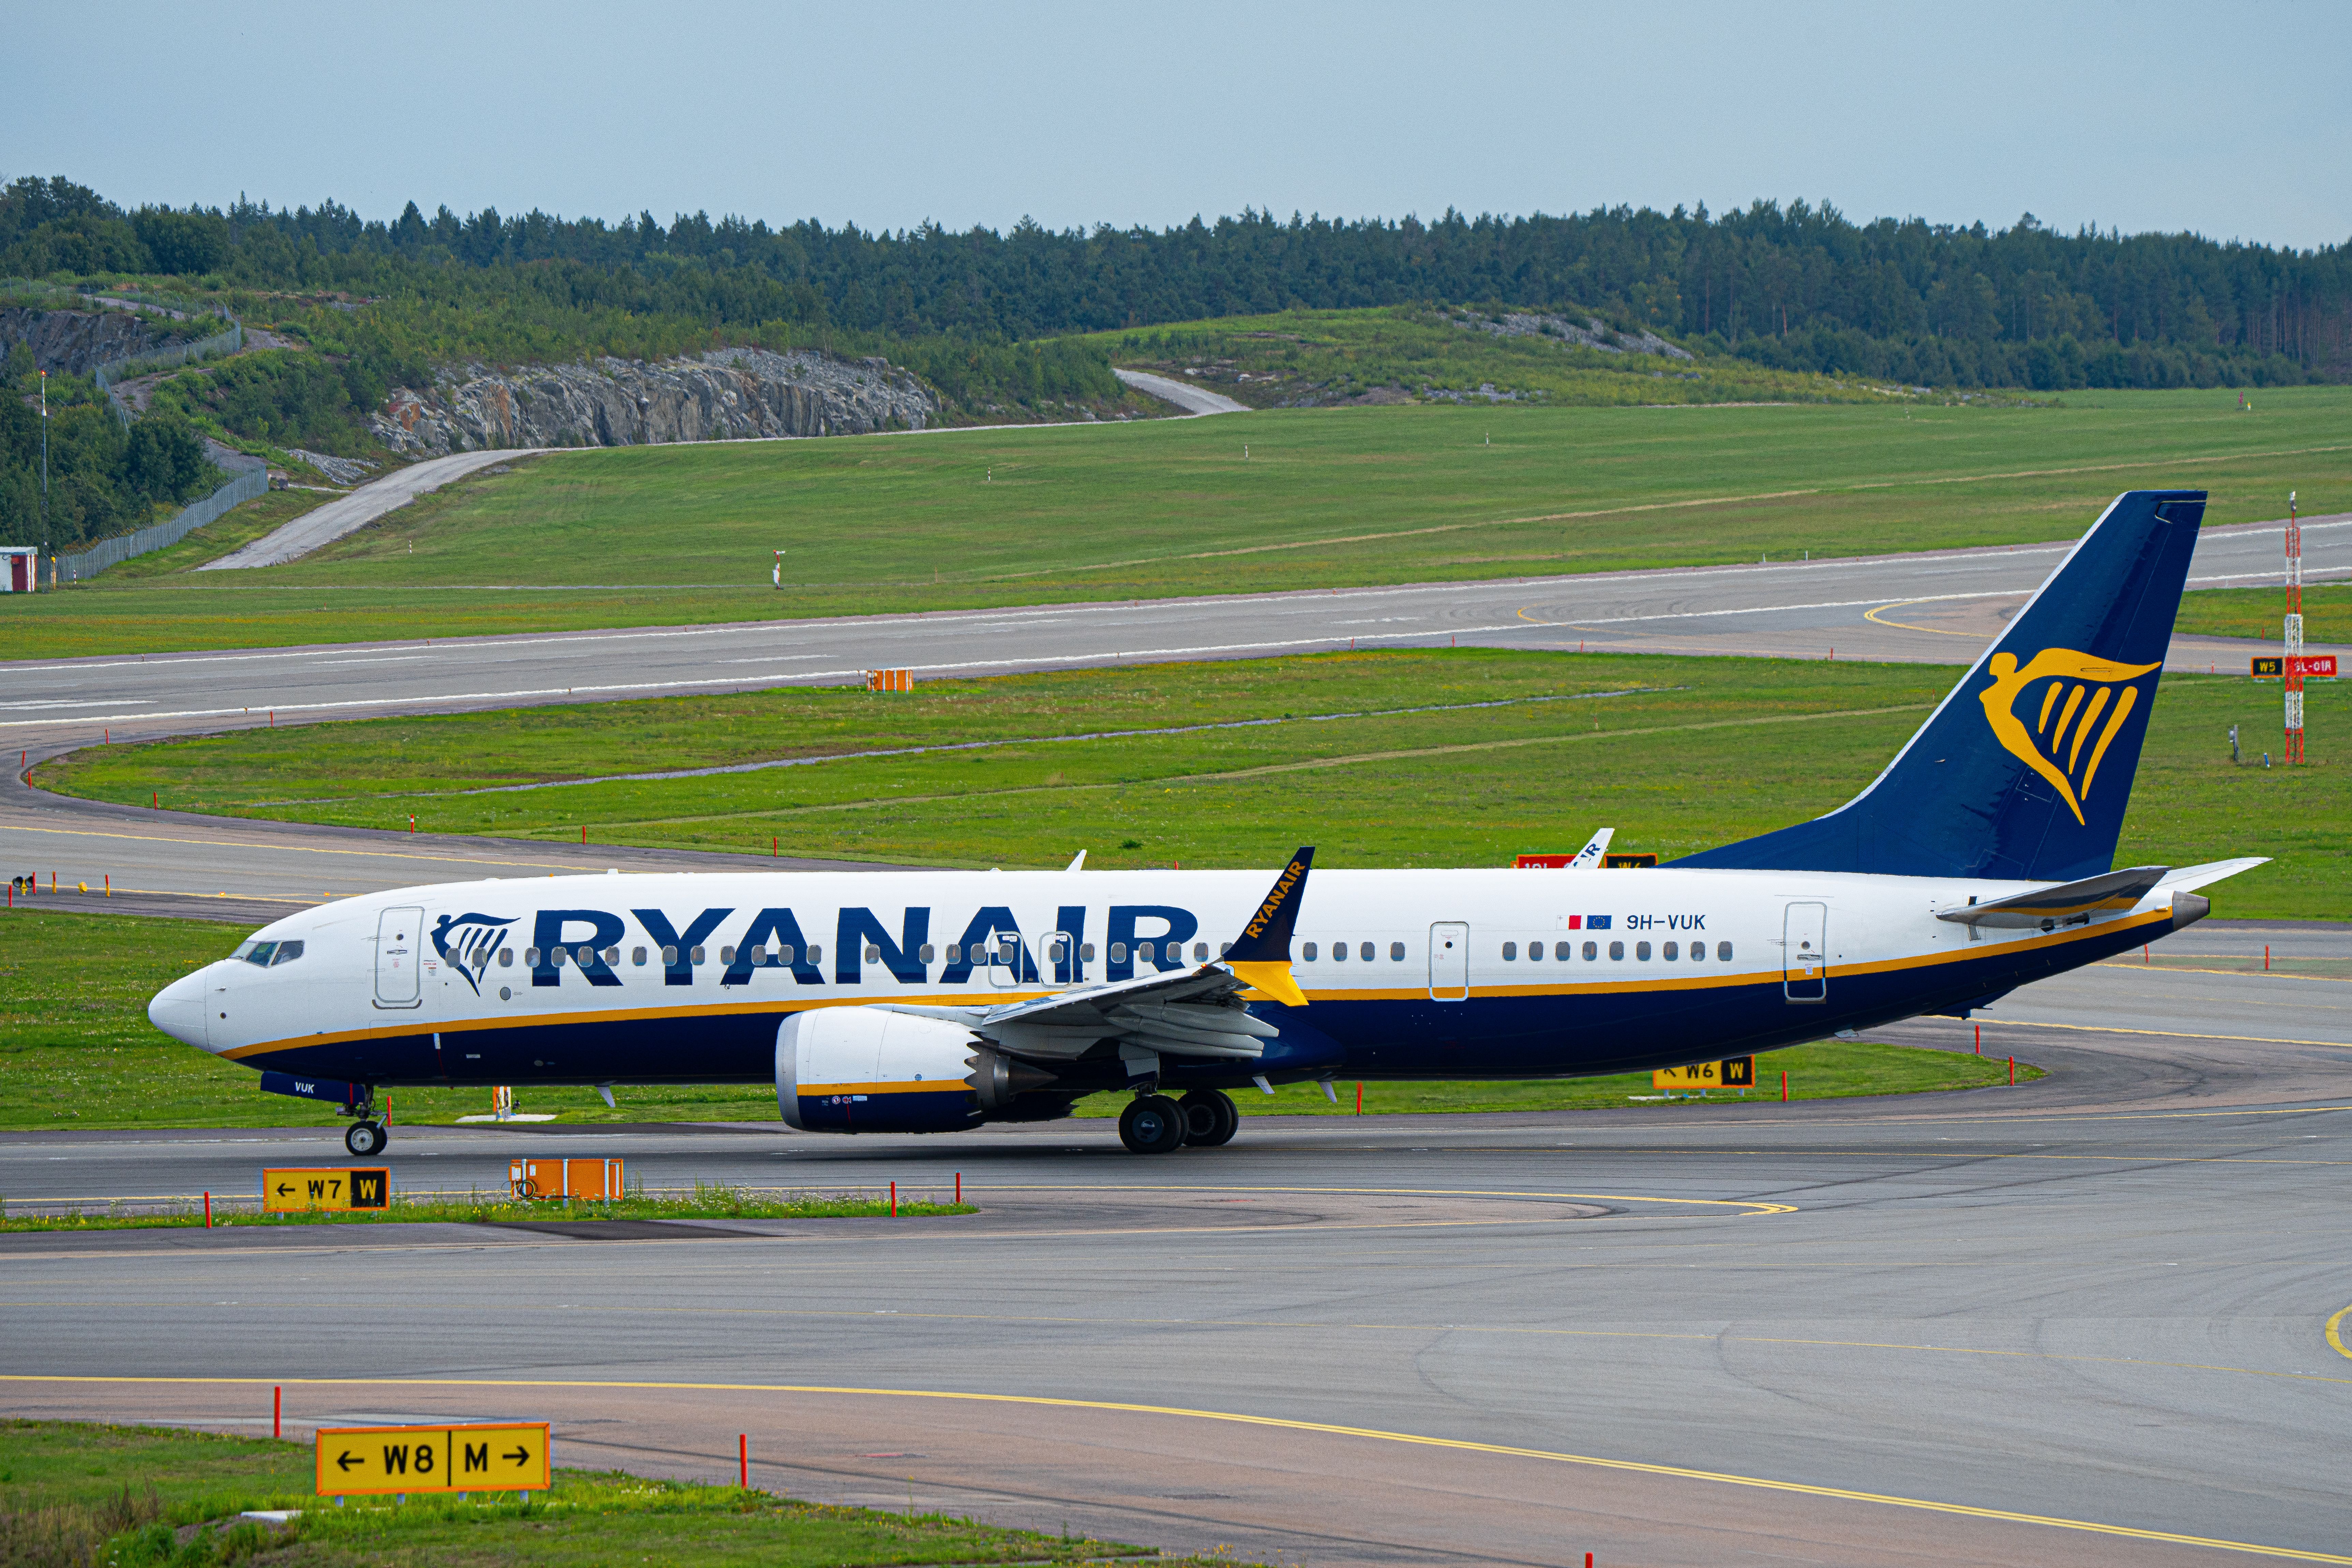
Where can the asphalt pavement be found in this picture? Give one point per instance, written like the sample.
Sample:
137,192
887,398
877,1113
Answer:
2086,1319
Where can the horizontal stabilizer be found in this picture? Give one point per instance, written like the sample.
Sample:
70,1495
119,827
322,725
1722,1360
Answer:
2188,879
2067,903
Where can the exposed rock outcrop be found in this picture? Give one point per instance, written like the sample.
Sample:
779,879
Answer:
724,394
1589,332
73,342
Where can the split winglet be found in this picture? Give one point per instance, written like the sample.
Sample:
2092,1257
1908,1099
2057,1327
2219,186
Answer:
1262,957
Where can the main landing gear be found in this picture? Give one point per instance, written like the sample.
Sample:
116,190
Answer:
1155,1124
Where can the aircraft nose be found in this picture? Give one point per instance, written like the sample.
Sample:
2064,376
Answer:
178,1010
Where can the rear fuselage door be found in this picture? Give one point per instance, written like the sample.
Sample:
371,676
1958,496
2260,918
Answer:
399,936
1004,960
1449,960
1805,972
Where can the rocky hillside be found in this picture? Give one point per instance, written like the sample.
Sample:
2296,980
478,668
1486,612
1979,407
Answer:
724,394
73,342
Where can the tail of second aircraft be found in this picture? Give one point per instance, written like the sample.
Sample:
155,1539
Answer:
2024,770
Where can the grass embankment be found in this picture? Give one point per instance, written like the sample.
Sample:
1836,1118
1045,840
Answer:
75,1051
641,536
708,1201
1304,358
1676,753
144,1496
2257,612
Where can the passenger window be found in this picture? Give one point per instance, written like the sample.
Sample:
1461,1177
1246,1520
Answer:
637,957
1591,950
1559,951
1396,952
1535,950
531,956
556,955
1224,947
955,953
928,952
506,958
1723,951
1339,952
1698,953
288,952
1309,951
1200,952
698,955
1671,952
873,953
1085,953
1510,951
669,957
1118,952
1143,951
1365,953
613,955
1641,950
784,953
727,955
1616,952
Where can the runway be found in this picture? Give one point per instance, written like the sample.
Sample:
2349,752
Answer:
1933,607
2086,1319
1937,608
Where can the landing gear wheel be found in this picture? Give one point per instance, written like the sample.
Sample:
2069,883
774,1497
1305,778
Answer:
1211,1117
364,1138
1151,1125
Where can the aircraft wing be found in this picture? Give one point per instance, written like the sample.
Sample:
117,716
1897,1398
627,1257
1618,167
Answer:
1196,1012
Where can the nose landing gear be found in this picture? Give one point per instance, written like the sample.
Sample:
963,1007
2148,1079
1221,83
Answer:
365,1138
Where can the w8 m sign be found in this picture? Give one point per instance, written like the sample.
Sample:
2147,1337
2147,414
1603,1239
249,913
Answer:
358,1461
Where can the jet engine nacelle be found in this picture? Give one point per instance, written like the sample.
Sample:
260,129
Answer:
865,1070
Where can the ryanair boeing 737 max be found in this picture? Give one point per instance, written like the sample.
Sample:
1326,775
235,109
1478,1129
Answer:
1977,862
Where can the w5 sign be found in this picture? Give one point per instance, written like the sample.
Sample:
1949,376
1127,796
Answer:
2310,666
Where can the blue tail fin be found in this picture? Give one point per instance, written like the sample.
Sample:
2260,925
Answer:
2023,770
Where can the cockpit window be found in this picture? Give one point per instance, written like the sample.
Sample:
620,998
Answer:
258,953
288,952
245,949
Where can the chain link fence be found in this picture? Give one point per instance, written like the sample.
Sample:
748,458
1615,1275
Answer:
251,480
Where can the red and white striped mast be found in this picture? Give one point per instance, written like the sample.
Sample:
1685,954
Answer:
2292,666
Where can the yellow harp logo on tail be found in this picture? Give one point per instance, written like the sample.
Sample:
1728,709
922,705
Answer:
2068,696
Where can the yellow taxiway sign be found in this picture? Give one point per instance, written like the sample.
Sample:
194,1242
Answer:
1739,1072
359,1460
297,1189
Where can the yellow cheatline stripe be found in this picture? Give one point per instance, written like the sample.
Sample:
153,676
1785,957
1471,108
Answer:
1374,1434
2335,1333
1940,631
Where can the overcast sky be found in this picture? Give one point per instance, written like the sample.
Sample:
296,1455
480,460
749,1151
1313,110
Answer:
2233,120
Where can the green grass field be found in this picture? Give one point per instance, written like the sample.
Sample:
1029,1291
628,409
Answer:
1330,497
141,1496
1676,753
2257,612
75,1051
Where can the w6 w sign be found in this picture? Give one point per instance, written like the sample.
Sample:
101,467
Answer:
355,1461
